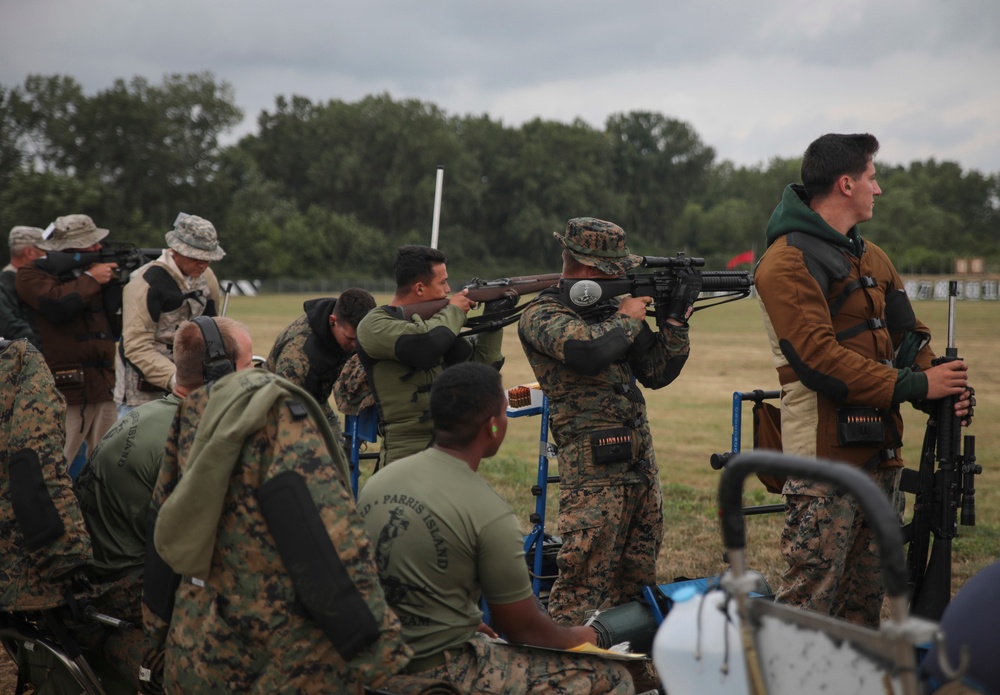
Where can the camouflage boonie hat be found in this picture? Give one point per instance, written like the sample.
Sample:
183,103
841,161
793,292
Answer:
598,244
195,237
71,232
24,236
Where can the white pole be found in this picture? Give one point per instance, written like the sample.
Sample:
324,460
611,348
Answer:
437,207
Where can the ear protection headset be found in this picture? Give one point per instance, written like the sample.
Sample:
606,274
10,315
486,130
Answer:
217,365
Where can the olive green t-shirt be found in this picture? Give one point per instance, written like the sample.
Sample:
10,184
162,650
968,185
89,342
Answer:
443,537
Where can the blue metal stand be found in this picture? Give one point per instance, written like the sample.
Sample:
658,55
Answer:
534,541
361,428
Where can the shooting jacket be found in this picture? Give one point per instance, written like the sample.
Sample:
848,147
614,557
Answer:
823,296
157,299
74,329
35,561
402,358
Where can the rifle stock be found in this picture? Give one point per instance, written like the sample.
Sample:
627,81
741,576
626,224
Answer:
941,494
486,291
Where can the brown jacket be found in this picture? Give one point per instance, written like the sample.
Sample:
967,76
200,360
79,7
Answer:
75,332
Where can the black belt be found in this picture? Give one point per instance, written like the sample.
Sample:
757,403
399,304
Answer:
425,663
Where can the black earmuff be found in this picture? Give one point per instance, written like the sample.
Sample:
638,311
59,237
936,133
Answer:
217,365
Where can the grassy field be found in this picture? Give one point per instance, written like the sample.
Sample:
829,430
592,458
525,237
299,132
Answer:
691,419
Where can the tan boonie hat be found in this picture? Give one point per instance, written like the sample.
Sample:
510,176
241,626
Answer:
195,237
71,232
24,236
598,244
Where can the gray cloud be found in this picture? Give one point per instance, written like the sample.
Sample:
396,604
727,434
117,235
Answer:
755,79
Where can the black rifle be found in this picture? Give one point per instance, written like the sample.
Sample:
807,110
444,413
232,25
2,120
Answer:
126,255
725,285
939,494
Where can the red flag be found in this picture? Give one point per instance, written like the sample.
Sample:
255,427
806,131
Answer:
745,257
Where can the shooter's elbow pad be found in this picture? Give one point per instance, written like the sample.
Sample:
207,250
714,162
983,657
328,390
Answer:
899,316
34,510
589,357
426,350
322,584
60,310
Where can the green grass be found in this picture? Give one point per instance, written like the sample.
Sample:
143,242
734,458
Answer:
691,419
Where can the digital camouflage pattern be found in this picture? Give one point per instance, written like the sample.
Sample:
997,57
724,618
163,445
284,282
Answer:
30,580
610,513
32,413
599,244
833,559
244,630
351,392
307,354
483,666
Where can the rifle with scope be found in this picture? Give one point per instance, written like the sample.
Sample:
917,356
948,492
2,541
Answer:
940,494
125,255
724,285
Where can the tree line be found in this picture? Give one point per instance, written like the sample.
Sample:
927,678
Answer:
333,188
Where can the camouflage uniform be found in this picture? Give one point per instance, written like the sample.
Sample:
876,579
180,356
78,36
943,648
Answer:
351,392
243,628
610,509
306,353
45,569
825,298
481,666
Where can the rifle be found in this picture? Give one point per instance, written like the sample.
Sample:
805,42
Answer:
488,291
126,255
939,494
726,285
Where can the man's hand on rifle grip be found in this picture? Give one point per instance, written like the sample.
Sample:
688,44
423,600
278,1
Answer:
462,301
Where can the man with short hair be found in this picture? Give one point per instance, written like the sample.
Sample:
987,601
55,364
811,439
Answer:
14,314
444,539
587,362
402,355
115,487
848,349
313,349
176,287
75,328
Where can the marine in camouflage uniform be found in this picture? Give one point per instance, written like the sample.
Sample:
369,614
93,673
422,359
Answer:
243,621
45,551
176,287
610,501
312,351
351,392
846,345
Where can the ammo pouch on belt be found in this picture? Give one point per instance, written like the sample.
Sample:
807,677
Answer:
611,446
859,426
68,378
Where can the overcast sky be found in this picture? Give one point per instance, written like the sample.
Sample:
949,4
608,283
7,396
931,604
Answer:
755,78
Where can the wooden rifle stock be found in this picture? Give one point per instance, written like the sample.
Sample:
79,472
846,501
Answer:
486,291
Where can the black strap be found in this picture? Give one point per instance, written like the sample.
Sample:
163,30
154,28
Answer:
863,281
866,325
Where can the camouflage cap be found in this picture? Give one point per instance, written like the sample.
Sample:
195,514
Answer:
24,236
195,237
71,232
599,244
